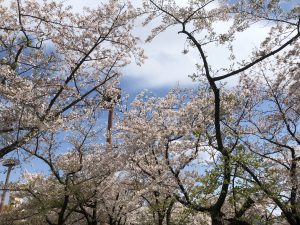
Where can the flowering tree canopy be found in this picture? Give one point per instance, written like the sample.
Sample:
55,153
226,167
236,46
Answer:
217,154
56,64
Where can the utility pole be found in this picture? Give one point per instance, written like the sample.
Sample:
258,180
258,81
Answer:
111,100
9,163
109,125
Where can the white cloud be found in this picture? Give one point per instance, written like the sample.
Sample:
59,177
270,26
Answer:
167,66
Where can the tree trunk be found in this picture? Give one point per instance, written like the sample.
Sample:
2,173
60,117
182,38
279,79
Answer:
169,212
160,219
237,222
292,220
93,222
217,218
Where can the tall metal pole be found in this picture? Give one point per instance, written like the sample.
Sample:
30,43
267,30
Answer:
9,163
111,109
109,136
9,168
112,100
109,126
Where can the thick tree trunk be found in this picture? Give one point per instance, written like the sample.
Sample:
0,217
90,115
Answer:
61,215
160,220
93,222
217,218
292,220
169,212
237,222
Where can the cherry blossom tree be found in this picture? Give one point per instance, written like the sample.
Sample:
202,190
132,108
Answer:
272,133
197,22
75,189
167,139
216,154
170,147
56,64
